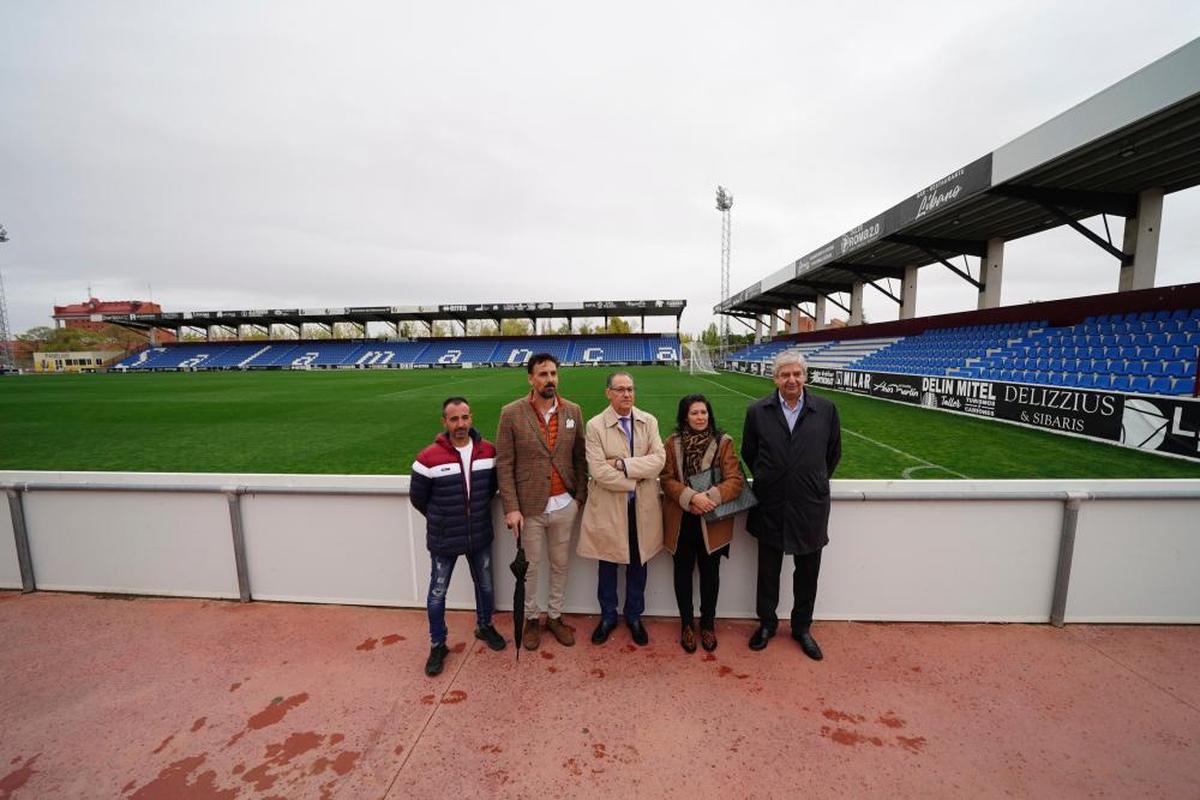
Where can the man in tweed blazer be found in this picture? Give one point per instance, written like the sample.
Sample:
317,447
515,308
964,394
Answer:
542,469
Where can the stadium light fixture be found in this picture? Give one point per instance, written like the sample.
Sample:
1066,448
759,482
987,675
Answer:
724,204
3,234
1128,150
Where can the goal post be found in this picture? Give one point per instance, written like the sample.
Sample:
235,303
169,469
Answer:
697,359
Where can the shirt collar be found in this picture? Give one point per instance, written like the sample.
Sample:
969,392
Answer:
783,403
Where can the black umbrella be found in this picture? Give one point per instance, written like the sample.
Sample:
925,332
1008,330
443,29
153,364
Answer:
519,567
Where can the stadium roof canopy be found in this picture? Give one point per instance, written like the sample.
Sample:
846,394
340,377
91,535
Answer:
1141,133
361,315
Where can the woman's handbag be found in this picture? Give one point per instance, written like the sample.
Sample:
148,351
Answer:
703,481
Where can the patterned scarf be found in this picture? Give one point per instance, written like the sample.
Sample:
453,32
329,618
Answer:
694,445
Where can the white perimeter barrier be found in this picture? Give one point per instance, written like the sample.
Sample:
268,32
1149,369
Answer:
1013,551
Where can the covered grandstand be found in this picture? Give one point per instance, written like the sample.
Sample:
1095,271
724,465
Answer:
1120,367
395,351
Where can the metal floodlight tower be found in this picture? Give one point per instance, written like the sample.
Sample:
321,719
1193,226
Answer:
6,359
724,204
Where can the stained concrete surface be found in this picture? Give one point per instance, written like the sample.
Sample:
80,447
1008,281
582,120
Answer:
163,698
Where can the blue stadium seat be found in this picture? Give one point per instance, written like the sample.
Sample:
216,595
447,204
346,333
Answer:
1139,383
1160,385
1184,386
1120,382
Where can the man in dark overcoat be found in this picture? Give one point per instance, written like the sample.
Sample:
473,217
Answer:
792,442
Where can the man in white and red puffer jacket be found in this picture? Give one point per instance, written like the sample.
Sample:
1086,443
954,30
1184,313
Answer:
453,483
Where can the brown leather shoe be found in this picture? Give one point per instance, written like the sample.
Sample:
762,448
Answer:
708,639
687,638
561,630
533,634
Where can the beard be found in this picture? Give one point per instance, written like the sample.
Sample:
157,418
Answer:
548,391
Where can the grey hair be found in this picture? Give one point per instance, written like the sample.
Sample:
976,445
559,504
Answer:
612,375
791,357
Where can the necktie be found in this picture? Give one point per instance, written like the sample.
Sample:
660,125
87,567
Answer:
625,426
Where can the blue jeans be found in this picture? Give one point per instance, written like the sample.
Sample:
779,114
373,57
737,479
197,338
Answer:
635,581
442,567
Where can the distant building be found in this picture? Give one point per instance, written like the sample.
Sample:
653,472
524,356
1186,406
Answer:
81,361
88,314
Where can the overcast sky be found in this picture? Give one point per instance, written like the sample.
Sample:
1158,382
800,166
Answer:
228,155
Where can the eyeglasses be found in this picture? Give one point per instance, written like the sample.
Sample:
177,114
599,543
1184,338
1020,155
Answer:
622,389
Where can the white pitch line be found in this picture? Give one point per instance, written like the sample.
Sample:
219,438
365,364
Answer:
921,463
437,386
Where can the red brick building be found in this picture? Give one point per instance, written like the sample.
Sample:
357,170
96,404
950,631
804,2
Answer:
86,315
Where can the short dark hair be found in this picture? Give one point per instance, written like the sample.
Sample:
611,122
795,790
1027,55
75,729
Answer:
685,405
539,358
449,401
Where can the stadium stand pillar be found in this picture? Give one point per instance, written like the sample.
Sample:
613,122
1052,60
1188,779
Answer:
990,272
908,296
1141,241
819,318
856,314
758,326
794,319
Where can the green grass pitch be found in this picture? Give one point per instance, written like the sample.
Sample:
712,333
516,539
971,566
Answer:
374,422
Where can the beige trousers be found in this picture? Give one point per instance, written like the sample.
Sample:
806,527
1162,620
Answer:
548,533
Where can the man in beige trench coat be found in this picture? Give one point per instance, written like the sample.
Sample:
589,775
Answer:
622,521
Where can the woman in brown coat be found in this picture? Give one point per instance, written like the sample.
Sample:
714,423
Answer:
696,446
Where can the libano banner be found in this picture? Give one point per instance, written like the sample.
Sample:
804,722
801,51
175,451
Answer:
1159,424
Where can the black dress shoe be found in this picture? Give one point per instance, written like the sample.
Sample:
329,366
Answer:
809,645
491,636
436,660
601,634
638,631
760,638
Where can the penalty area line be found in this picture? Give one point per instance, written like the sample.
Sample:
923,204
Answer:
921,463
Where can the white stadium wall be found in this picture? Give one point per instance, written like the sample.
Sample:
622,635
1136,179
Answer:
900,550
